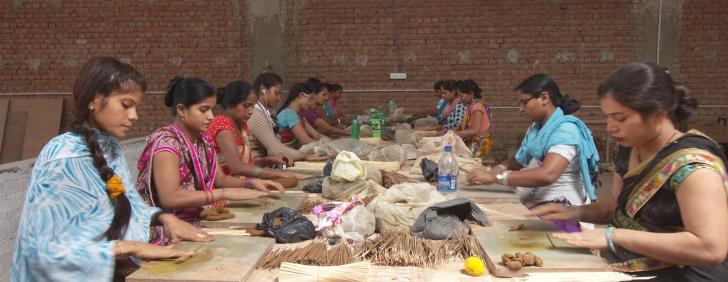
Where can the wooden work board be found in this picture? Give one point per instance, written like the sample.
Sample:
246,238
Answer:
227,258
535,237
251,211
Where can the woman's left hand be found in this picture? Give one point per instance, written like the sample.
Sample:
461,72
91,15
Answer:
178,230
587,238
481,175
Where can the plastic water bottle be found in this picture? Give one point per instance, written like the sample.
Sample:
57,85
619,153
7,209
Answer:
447,172
355,128
376,123
392,107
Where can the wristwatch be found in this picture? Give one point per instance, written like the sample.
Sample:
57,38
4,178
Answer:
503,177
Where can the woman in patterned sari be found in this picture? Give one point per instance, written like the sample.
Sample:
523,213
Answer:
178,169
231,139
668,214
453,114
82,218
475,129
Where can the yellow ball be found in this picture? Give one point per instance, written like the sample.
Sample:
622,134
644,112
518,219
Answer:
474,266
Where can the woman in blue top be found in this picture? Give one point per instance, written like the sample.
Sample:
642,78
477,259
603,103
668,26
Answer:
292,127
82,217
557,161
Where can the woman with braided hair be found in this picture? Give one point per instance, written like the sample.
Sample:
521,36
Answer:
82,218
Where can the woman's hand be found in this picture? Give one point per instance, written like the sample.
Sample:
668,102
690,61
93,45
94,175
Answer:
146,251
481,175
312,158
178,229
587,238
552,211
266,185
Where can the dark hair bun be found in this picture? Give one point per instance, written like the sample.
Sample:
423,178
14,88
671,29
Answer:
569,105
220,94
169,96
686,104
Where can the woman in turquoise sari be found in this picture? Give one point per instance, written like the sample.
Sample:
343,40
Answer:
668,212
82,218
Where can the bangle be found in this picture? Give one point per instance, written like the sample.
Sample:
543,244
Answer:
257,171
610,242
207,197
212,195
503,178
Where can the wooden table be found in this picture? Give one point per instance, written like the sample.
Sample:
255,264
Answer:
499,203
228,258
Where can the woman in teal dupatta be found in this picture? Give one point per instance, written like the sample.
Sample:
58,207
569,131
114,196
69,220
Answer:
668,214
557,161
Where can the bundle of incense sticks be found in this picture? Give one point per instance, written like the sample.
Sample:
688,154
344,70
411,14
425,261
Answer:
388,249
349,272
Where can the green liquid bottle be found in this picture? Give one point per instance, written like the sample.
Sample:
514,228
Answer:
355,128
376,123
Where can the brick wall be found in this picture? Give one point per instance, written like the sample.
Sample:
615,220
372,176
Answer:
43,44
497,43
704,62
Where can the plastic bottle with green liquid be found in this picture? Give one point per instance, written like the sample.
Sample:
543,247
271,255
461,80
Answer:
355,128
376,123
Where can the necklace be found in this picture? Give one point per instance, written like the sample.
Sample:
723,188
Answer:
639,156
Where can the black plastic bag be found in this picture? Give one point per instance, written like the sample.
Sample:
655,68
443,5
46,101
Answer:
429,170
328,167
448,219
314,186
387,134
293,226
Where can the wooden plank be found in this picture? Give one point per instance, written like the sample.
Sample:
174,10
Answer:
251,211
4,104
488,193
228,258
12,149
44,121
535,237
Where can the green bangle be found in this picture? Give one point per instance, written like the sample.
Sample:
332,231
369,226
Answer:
257,171
608,235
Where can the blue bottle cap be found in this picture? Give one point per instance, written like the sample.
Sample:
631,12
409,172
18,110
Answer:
448,148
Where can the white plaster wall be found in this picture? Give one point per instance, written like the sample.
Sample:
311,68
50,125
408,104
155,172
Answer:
13,184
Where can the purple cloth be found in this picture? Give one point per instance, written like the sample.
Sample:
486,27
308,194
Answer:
310,115
569,226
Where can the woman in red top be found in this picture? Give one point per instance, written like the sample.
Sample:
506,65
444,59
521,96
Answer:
231,139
